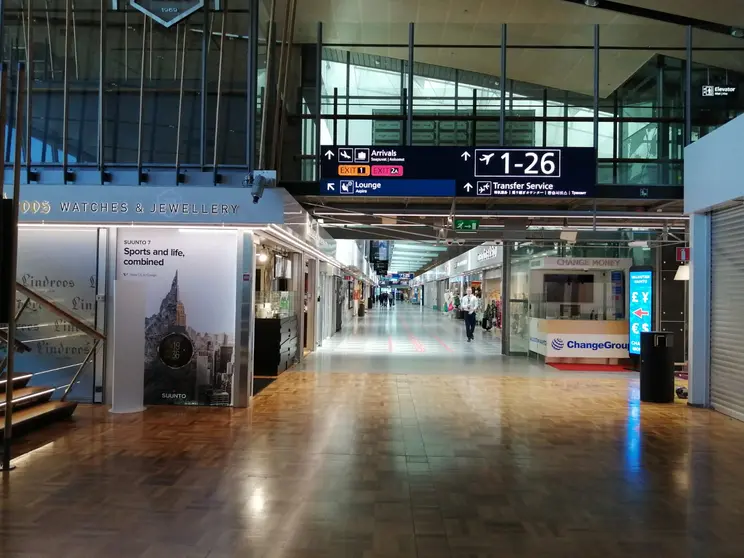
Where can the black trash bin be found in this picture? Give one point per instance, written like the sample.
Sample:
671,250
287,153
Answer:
657,367
361,309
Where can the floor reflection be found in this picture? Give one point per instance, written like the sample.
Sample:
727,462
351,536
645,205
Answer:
498,458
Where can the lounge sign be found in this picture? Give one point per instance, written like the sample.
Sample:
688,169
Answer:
167,12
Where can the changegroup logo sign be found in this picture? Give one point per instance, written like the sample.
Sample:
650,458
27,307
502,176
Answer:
588,346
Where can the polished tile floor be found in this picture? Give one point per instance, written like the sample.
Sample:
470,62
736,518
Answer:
461,457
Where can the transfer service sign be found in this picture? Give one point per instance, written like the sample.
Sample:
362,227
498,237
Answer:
167,12
641,305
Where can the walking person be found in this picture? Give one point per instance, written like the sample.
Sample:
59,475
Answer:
469,305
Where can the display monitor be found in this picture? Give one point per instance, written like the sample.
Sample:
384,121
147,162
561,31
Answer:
641,305
569,288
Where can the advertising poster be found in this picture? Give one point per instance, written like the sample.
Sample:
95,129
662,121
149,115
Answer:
189,278
641,306
61,266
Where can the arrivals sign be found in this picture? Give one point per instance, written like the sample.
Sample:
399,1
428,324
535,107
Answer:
490,172
641,284
167,12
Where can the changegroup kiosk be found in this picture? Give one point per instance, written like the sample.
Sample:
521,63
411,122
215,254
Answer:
577,309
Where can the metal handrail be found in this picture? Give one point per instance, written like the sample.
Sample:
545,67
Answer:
20,346
55,309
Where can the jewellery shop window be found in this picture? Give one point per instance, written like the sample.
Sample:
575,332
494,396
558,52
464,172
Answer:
274,297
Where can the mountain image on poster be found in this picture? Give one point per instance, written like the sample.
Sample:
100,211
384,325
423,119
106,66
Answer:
184,366
167,12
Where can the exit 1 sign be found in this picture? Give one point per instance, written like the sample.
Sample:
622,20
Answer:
466,224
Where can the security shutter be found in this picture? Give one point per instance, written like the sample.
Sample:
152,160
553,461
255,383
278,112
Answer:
727,312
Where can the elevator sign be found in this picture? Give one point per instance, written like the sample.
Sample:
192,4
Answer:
641,306
167,12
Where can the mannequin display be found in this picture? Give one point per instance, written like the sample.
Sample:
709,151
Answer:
447,301
489,316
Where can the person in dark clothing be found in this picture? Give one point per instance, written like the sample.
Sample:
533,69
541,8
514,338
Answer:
469,305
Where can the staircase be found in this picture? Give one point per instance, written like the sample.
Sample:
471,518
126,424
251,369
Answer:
32,406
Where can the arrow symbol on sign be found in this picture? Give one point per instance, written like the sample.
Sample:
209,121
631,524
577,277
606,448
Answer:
330,187
640,312
468,187
465,155
329,154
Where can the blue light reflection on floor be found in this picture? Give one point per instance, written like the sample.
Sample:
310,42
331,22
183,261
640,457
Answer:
633,434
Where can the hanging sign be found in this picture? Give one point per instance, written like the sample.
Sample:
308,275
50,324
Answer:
167,12
683,254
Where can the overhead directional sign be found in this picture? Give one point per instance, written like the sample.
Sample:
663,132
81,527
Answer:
466,224
458,171
167,12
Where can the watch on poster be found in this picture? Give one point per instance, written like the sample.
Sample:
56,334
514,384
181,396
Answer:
176,350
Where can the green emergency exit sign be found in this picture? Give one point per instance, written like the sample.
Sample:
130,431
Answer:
466,224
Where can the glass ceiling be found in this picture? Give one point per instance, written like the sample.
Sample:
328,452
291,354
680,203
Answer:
378,90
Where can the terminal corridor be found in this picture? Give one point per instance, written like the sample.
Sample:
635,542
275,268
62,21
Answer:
406,339
426,450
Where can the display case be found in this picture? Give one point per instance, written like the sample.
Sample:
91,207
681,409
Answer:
276,304
275,349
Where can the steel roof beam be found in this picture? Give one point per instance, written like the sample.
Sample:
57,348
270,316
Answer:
658,15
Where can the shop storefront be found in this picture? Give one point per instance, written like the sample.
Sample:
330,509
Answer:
356,288
478,269
714,188
202,294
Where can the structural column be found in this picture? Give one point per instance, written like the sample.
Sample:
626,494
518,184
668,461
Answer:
313,312
699,319
505,297
245,324
298,286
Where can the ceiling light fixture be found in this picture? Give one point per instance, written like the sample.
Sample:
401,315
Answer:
592,3
737,32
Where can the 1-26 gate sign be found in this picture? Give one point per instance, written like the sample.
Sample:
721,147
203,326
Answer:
167,12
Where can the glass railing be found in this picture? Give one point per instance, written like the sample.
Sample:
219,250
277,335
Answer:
56,345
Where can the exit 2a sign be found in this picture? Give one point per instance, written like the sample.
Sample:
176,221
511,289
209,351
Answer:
466,224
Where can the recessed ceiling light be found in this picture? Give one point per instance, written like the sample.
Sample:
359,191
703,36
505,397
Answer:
592,3
736,32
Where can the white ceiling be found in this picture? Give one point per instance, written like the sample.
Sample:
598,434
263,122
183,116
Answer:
412,256
535,22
